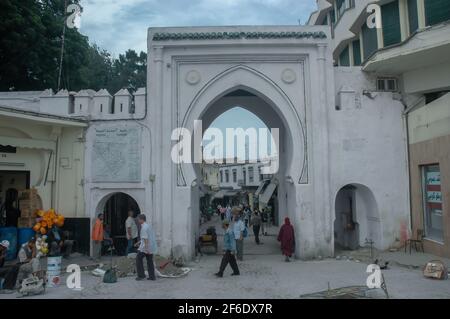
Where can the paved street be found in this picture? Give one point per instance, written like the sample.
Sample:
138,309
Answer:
264,275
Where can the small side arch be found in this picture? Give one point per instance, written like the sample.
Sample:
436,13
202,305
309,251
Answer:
357,218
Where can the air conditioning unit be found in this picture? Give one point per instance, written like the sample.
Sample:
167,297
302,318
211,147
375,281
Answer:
387,85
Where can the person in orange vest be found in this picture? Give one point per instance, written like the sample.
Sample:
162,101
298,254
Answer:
97,237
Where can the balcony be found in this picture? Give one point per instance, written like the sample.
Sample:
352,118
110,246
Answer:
427,47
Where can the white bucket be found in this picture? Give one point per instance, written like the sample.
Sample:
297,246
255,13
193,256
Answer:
54,271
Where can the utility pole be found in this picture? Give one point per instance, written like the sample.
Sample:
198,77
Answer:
62,46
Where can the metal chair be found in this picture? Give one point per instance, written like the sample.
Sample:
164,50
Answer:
417,240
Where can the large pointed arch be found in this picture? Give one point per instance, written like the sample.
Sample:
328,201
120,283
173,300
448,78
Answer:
242,77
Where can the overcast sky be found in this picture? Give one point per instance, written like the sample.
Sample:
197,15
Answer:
118,25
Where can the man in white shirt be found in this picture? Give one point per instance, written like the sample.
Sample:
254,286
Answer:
147,248
27,260
238,229
132,231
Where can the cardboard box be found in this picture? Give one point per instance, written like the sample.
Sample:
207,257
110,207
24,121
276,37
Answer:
26,222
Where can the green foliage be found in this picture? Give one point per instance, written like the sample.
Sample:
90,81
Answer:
30,48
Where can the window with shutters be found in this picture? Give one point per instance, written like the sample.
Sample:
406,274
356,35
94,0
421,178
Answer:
387,84
437,11
370,41
413,16
344,57
390,16
357,52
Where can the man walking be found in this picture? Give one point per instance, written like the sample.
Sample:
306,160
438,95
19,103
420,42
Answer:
147,248
132,231
229,249
97,237
238,229
256,223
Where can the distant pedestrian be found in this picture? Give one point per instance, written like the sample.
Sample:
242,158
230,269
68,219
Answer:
223,211
147,249
256,223
229,249
287,239
97,237
247,215
264,221
228,213
238,229
131,229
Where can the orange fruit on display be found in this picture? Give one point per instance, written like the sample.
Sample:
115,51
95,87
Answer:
43,231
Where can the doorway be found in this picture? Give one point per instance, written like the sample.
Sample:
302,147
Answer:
11,182
357,222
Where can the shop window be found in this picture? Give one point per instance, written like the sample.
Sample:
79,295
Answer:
390,16
432,201
437,11
413,16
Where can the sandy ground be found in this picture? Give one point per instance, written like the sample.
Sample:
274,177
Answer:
264,274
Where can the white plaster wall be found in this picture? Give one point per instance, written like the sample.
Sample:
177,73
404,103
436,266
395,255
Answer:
97,193
367,147
432,78
65,183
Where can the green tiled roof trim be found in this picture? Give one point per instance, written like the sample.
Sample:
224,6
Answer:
237,35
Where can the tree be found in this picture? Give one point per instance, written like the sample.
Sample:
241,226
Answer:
129,71
30,48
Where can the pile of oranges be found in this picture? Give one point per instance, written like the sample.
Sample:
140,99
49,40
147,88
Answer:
46,220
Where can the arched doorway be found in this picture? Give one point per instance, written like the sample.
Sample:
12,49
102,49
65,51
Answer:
357,220
274,185
115,208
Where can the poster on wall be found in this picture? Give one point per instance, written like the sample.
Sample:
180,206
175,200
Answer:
433,200
116,155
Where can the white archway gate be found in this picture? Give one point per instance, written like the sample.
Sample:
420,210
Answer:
190,69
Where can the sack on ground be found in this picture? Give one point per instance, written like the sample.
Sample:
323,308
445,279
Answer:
435,269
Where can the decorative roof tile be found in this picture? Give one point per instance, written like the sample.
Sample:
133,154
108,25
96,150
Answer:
237,35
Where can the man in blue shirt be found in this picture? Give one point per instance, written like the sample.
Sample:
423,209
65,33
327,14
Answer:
238,229
229,249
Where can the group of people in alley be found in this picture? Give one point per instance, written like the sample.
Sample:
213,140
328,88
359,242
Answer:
140,236
235,222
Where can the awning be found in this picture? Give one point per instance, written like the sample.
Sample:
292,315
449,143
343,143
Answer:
260,187
225,193
267,194
219,194
28,143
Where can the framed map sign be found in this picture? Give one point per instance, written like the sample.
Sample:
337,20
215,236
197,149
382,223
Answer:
116,155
